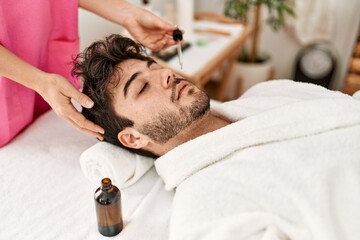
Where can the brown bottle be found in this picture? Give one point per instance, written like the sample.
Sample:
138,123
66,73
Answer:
108,208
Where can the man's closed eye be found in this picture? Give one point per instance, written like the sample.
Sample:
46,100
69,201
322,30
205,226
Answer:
143,88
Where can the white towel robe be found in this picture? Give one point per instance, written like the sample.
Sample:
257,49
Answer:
285,173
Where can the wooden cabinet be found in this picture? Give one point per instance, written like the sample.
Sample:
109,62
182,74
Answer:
352,78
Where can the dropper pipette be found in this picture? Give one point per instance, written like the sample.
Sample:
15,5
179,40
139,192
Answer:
177,36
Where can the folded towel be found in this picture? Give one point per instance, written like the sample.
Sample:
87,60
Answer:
121,166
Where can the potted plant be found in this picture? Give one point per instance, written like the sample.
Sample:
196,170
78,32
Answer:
255,67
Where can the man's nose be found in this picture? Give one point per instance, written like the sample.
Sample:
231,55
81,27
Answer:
167,78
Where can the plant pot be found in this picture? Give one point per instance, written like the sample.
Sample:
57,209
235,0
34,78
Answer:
249,74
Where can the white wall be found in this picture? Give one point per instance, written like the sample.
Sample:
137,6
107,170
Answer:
281,45
93,27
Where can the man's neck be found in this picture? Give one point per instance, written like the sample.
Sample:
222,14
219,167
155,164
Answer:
208,123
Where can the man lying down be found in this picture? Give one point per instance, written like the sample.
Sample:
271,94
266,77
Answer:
281,162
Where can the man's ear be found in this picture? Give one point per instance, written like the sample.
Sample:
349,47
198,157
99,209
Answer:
131,138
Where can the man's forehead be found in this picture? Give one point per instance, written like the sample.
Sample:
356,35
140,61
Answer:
130,64
129,67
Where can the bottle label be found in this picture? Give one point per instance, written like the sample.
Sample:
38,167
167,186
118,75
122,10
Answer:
109,215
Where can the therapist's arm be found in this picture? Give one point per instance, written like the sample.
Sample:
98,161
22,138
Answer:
55,89
150,30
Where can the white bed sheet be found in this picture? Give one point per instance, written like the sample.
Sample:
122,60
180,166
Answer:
44,195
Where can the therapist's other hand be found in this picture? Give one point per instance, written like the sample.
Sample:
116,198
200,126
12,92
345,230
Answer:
58,92
150,30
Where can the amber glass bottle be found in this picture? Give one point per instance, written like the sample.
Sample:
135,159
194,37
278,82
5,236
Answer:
108,208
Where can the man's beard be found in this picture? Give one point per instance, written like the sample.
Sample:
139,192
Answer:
167,124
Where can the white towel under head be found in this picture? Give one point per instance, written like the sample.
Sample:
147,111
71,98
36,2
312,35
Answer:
107,160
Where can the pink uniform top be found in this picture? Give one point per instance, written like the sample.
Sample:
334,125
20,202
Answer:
44,34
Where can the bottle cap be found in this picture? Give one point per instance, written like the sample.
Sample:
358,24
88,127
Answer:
177,35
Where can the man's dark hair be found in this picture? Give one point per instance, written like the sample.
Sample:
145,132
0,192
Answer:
97,66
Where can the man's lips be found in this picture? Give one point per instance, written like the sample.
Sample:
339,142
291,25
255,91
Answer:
181,87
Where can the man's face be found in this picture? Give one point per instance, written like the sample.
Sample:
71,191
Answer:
160,104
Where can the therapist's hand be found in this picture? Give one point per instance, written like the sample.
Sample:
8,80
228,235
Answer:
57,92
147,28
150,30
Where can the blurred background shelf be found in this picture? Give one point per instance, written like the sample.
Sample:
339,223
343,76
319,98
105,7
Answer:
352,78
